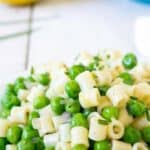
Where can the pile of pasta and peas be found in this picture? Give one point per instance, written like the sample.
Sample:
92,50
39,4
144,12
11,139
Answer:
101,102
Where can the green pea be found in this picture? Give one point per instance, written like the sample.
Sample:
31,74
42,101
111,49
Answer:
30,79
87,111
57,105
9,88
43,78
40,102
2,143
76,70
110,112
50,148
102,145
32,115
79,147
14,134
146,134
79,120
136,108
9,100
72,107
131,135
72,89
39,144
25,145
19,84
4,113
103,89
129,61
19,79
95,64
127,78
29,133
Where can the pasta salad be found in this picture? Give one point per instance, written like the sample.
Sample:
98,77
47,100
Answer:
100,102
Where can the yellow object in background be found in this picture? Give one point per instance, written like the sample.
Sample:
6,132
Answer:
18,2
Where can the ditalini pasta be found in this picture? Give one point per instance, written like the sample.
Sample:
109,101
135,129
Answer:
4,125
97,131
124,117
141,122
119,145
58,120
19,115
22,94
11,147
51,139
63,146
139,146
79,135
44,125
65,132
86,80
35,92
115,129
47,111
103,77
118,95
100,102
103,102
59,78
142,91
89,98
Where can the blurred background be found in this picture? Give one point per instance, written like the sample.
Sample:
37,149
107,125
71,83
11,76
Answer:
60,29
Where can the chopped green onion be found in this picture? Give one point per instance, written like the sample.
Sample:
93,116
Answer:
103,122
148,114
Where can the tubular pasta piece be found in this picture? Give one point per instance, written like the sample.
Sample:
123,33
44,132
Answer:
11,147
79,135
4,125
103,77
43,124
63,146
139,146
58,120
103,102
65,132
141,122
35,92
89,98
124,117
118,145
141,72
93,115
51,139
86,80
22,94
142,92
19,114
47,111
97,131
118,94
57,86
115,129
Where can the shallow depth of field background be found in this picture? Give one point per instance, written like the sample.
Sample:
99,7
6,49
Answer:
59,29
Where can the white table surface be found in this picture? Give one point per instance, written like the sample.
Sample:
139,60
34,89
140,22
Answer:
65,27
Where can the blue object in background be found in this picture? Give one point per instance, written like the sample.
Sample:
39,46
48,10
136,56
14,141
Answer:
143,1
